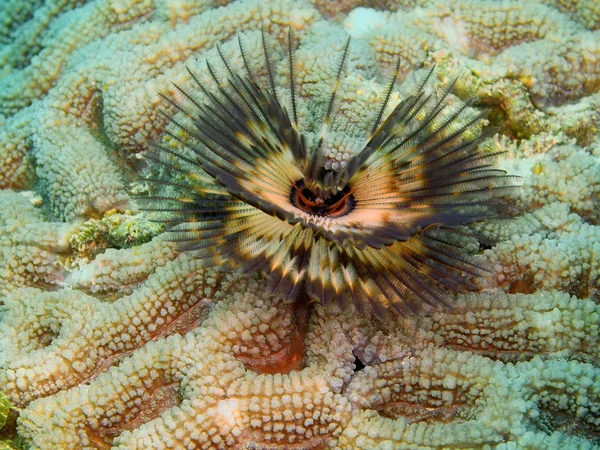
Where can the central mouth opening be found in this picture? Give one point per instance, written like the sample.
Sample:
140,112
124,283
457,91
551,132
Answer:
336,205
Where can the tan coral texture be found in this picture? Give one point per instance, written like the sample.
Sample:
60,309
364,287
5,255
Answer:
110,338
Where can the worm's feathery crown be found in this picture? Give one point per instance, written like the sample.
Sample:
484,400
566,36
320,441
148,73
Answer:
254,196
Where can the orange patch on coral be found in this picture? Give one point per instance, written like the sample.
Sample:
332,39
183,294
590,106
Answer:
287,359
291,356
162,395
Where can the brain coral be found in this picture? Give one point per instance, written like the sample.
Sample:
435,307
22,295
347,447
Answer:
111,339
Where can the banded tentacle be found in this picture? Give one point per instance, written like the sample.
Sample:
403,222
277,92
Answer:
377,233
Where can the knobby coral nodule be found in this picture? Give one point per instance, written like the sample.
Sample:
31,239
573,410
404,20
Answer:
248,189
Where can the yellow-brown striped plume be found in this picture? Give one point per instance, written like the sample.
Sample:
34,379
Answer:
244,189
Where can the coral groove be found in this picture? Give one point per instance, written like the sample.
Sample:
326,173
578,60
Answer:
111,339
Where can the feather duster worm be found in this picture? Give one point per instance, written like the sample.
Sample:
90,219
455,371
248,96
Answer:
251,193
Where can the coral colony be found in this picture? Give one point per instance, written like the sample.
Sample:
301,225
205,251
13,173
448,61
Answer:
336,258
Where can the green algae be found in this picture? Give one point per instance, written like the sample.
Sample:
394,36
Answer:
112,231
6,422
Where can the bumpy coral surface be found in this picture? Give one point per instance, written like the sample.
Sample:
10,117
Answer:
109,338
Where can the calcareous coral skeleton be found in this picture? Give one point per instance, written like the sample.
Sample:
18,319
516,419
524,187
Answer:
111,338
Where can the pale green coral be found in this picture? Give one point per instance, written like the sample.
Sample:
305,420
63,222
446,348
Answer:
563,253
121,270
51,37
32,251
520,399
59,339
108,337
586,12
111,96
518,57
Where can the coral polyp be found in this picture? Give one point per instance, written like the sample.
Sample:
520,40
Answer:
111,338
256,192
